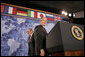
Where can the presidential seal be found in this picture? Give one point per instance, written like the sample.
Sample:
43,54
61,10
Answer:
77,32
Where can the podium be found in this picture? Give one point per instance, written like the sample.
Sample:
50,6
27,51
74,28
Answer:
65,39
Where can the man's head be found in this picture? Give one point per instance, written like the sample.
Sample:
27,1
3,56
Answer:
29,31
43,21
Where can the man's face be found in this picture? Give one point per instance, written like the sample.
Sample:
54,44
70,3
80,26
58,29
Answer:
43,21
29,32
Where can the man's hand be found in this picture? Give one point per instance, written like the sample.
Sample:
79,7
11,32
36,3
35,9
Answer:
42,52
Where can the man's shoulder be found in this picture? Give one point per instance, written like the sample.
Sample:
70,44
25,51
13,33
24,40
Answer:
39,26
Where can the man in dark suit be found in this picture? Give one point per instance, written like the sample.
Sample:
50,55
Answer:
40,38
31,42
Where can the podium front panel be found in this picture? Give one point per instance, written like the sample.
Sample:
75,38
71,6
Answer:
69,41
60,38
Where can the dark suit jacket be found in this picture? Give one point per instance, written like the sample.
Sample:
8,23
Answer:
31,46
40,39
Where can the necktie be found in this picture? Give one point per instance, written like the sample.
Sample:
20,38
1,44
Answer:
29,39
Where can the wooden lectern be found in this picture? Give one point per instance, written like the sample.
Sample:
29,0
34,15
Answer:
66,39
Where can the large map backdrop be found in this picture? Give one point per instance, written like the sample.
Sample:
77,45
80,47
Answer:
14,37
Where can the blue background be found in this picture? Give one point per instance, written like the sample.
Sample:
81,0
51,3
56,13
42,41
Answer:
16,29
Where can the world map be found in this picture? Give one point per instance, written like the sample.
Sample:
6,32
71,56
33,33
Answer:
14,35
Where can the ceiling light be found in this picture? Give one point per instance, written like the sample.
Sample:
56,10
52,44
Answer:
66,13
73,15
70,14
63,12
